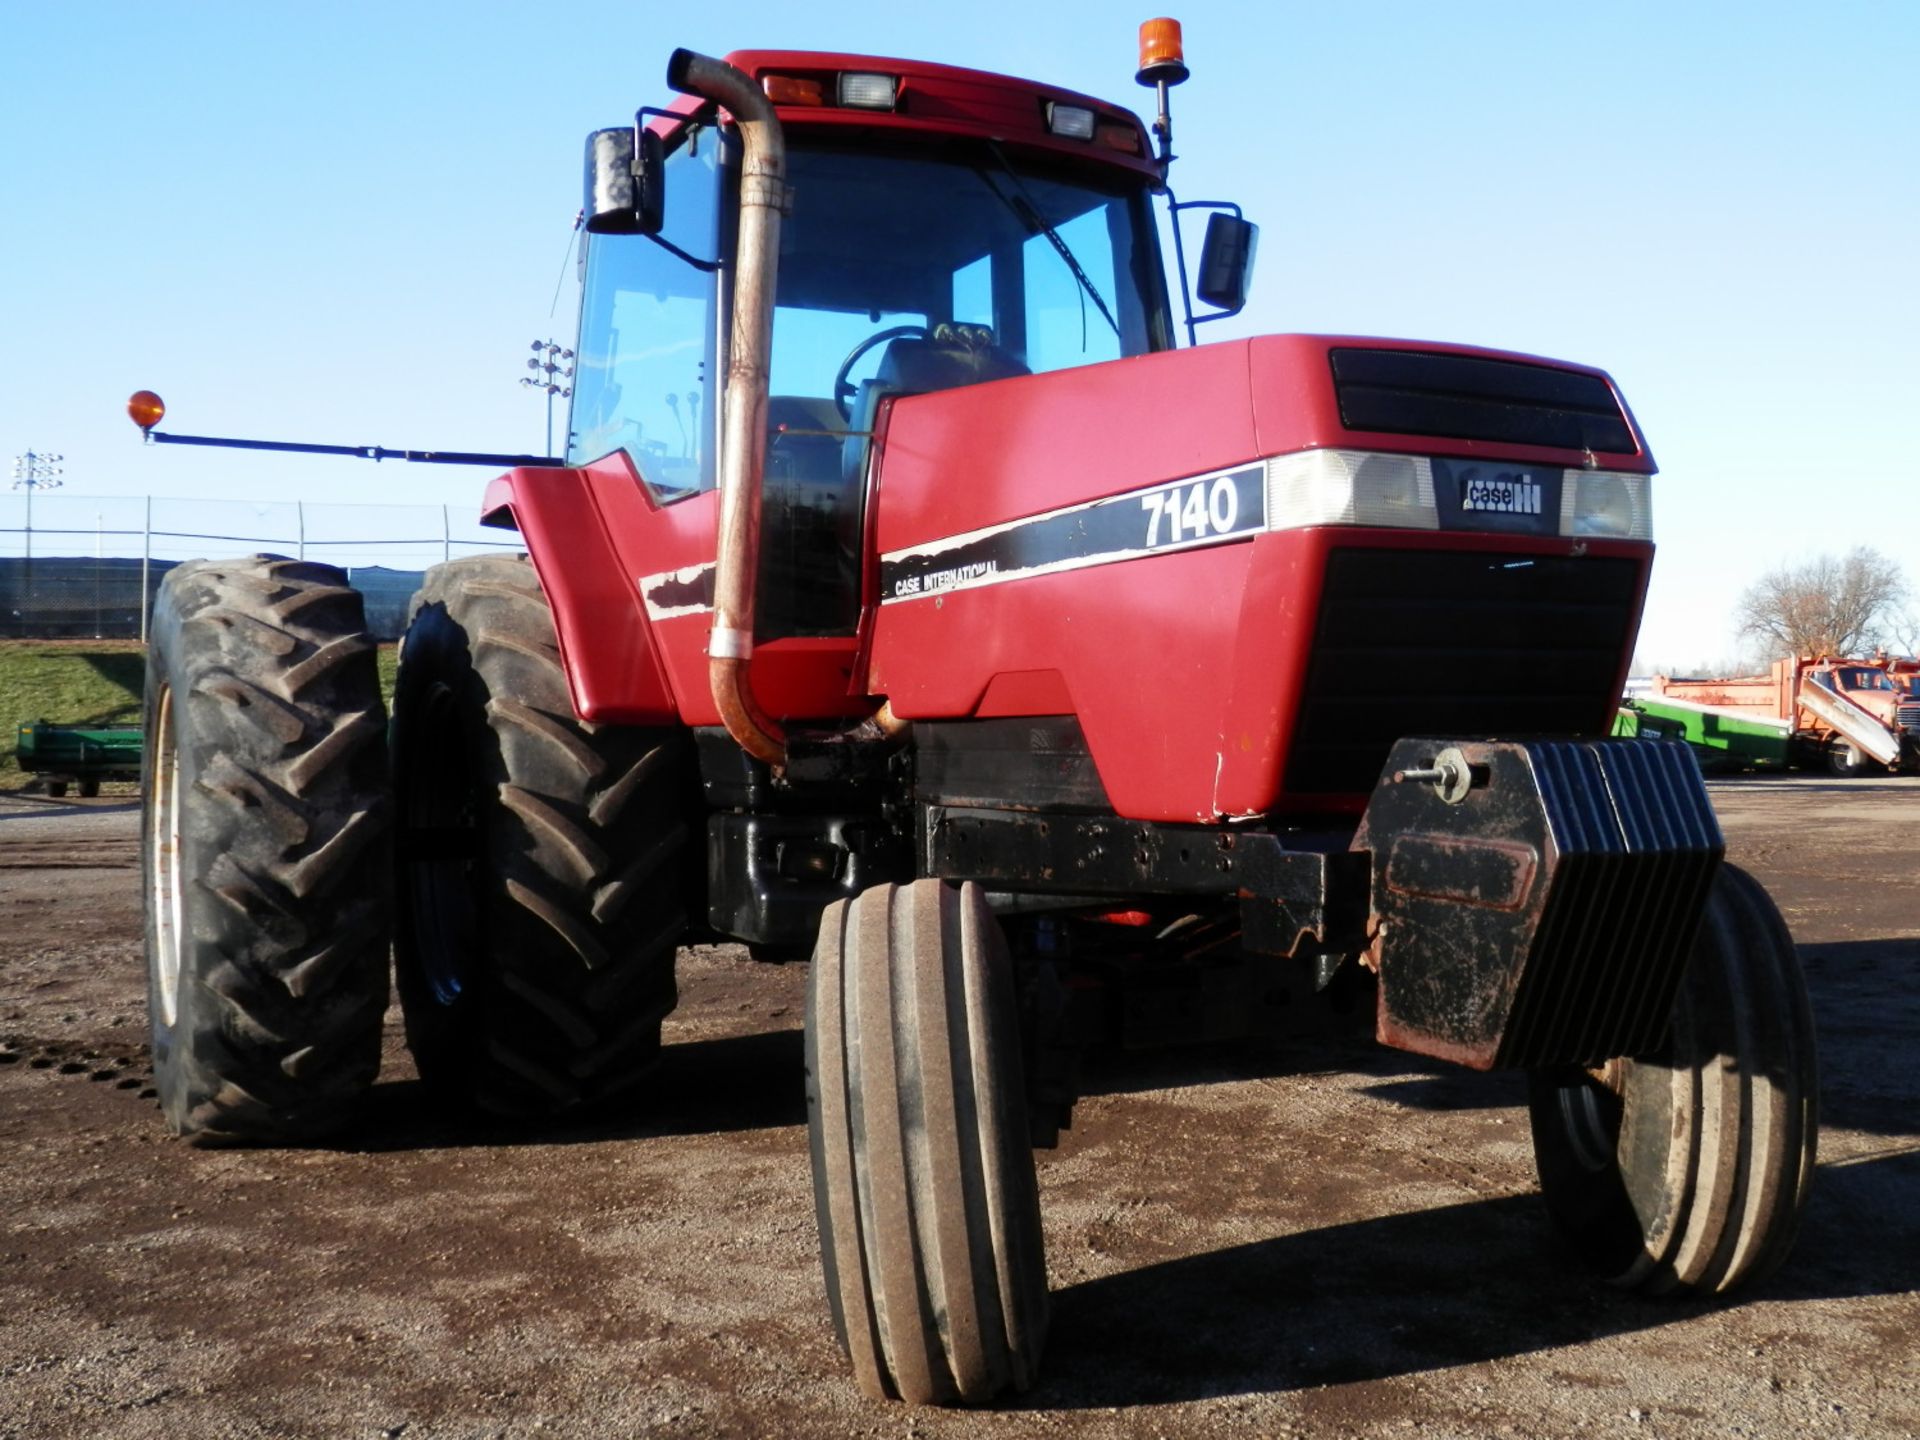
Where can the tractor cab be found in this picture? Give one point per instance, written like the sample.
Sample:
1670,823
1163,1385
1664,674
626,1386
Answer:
917,254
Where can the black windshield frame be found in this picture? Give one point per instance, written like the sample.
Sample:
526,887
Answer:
881,233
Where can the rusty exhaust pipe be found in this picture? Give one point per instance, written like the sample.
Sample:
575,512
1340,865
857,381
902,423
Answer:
763,201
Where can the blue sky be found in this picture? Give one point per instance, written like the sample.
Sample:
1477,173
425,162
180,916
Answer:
345,222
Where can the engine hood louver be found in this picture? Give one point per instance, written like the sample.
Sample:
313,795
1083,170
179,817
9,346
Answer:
1463,397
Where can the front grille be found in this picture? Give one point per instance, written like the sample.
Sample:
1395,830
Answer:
1461,397
1907,715
1469,644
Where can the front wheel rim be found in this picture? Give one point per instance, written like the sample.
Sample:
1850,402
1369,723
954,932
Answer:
1590,1118
164,852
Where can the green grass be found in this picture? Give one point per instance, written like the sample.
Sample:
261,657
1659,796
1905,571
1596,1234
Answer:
84,682
389,661
92,682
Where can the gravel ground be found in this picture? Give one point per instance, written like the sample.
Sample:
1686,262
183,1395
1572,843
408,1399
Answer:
1319,1239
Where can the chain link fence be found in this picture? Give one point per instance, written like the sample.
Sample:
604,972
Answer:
77,567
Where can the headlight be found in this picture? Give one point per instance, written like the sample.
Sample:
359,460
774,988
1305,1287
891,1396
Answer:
1350,487
1606,503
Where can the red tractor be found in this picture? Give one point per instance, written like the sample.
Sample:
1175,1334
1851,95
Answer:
909,600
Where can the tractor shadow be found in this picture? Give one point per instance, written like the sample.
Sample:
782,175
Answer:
1392,1075
1488,1279
1866,1005
1429,1290
700,1087
1866,1009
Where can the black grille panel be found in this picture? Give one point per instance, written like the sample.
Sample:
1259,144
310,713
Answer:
1406,392
1416,642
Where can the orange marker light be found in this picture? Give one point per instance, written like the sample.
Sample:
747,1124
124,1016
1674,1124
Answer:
792,90
146,408
1161,56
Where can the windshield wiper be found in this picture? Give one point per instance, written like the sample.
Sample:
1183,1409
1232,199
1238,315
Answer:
1022,205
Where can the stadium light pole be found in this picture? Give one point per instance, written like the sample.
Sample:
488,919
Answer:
33,472
552,364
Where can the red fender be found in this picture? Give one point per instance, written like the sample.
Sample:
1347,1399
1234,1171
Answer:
607,646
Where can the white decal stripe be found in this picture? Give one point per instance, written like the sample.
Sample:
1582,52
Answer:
1216,508
969,537
1058,567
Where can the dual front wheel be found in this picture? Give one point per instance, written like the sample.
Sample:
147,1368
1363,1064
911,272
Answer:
1685,1171
923,1174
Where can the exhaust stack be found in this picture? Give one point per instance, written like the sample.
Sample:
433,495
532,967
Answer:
763,200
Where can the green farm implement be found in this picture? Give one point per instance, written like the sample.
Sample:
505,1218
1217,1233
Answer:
1720,739
64,755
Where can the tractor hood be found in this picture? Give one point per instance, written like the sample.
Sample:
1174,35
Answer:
1158,547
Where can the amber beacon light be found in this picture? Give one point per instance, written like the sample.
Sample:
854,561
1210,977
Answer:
1161,59
146,408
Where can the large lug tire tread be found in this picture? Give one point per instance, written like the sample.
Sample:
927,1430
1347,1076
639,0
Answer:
1714,1138
580,886
923,1176
263,676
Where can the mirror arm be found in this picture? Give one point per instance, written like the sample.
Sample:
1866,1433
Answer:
1174,207
709,267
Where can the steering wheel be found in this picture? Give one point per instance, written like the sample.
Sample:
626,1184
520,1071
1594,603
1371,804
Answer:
843,388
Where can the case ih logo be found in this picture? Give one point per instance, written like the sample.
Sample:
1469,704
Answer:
1504,492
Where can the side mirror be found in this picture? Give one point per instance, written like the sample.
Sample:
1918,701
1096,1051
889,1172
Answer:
626,193
1226,261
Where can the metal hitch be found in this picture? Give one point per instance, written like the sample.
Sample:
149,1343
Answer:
1534,902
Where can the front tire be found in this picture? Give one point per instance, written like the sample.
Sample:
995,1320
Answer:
923,1176
545,874
1686,1171
1843,759
265,834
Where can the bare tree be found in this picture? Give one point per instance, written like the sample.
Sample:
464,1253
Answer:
1829,605
1904,630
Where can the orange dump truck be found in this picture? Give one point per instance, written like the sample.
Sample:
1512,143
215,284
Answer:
1851,716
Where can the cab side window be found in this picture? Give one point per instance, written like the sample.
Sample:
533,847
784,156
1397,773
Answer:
644,379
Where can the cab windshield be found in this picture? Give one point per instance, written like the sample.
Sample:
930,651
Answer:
1864,679
957,264
1033,269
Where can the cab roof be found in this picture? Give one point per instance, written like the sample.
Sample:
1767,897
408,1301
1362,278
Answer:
934,100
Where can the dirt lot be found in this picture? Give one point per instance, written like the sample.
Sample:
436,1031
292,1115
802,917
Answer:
1320,1240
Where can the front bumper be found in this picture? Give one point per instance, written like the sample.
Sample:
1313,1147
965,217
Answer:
1539,912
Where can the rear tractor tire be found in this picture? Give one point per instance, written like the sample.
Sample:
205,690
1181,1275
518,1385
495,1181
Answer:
1685,1172
265,834
923,1177
545,864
